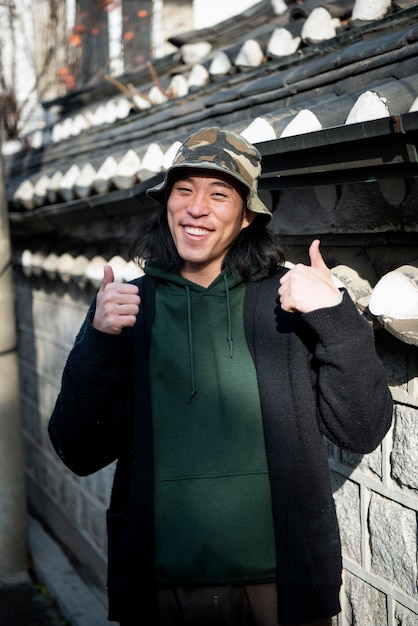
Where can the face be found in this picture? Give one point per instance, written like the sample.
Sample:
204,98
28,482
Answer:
205,212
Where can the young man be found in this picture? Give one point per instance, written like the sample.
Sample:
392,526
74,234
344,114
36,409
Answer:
212,380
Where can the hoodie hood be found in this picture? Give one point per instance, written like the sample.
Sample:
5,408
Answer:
152,269
220,288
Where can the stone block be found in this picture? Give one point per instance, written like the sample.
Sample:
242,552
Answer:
393,541
347,501
364,605
405,617
405,447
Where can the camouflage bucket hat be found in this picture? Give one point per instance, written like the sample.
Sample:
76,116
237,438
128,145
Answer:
222,151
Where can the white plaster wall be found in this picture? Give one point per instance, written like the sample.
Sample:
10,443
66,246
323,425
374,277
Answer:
209,13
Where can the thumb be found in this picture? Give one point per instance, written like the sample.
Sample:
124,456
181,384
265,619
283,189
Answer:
108,276
316,256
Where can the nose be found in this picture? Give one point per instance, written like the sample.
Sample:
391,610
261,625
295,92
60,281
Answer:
198,205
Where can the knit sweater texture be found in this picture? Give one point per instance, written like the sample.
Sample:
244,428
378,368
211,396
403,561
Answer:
318,376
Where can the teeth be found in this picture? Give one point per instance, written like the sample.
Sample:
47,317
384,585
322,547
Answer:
196,231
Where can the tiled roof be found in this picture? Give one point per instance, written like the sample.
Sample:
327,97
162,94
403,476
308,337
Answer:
300,70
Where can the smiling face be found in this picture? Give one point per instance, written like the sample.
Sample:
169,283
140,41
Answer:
206,212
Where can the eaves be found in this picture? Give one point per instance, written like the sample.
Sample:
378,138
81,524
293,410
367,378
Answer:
363,152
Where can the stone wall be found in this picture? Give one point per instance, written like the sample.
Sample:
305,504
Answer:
49,315
376,495
376,498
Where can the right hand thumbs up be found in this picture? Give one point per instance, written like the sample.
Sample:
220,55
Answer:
108,277
306,288
117,304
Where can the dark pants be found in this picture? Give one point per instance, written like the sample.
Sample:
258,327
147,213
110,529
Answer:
241,605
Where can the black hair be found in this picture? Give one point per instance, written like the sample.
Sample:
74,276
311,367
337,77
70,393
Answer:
256,253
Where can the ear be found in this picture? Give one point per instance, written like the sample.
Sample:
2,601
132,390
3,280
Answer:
249,216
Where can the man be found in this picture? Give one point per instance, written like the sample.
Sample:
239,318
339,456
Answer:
212,380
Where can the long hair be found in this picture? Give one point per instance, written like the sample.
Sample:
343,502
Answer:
256,253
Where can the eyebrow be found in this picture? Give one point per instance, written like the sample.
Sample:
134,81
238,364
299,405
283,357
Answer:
214,183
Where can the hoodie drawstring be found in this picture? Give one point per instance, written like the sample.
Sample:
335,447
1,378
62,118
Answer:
191,358
190,334
228,313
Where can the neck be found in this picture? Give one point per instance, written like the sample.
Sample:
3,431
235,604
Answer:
201,277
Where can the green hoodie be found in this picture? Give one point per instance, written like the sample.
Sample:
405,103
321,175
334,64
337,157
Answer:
213,518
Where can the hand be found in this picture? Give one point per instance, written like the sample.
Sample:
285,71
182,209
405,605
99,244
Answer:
117,304
306,288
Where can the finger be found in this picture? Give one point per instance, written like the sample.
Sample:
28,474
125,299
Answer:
108,276
316,256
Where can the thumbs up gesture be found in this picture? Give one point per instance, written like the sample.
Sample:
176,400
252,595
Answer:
117,304
306,288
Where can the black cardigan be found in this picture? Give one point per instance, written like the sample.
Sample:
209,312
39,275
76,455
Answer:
318,374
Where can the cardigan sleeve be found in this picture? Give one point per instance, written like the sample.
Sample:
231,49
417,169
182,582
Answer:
85,427
353,398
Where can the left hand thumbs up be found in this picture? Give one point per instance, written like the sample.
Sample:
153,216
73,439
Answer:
316,256
306,288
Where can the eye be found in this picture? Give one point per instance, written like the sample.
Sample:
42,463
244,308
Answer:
221,192
182,187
